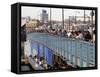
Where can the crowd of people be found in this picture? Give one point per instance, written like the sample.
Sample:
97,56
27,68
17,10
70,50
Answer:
83,35
39,62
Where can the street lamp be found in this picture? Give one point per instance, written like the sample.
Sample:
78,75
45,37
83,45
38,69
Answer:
92,14
63,17
69,23
76,12
84,16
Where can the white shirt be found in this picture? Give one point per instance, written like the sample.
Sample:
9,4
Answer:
69,34
80,36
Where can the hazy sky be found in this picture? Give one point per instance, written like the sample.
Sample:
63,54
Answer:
34,12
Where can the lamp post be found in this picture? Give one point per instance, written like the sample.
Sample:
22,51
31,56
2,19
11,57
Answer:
84,16
69,23
63,17
76,16
92,14
50,20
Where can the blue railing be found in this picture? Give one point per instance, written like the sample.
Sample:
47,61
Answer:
75,52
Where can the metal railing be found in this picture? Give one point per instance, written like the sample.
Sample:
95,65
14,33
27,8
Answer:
74,52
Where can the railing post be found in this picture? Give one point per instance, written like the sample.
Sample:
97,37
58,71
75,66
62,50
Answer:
81,58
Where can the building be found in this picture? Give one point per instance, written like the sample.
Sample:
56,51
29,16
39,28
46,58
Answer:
31,25
24,20
44,17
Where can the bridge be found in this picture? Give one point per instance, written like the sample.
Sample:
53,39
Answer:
74,51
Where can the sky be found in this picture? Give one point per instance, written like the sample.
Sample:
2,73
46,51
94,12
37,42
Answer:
34,12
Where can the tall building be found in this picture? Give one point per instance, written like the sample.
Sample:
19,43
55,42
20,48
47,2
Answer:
44,17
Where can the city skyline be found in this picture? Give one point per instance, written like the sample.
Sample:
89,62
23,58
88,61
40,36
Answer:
56,14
